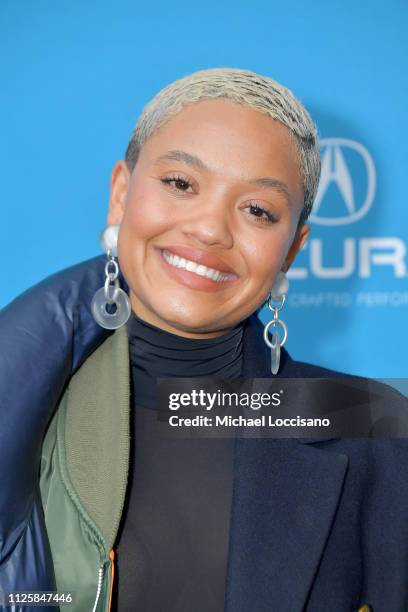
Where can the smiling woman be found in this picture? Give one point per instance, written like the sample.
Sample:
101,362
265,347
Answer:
229,197
206,214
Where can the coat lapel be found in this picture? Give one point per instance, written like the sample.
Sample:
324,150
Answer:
285,495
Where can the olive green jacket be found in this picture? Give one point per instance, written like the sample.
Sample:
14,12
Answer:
83,475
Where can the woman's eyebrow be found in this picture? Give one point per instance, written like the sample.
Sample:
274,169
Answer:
177,155
192,160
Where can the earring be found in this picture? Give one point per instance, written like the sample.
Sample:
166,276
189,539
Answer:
278,293
110,305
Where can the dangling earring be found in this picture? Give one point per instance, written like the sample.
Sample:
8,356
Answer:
110,305
278,293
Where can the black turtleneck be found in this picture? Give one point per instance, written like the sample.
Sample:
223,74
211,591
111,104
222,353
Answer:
172,544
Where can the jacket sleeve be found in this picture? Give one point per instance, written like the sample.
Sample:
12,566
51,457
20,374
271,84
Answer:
46,333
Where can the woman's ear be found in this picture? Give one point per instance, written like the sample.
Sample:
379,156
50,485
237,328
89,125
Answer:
301,236
119,185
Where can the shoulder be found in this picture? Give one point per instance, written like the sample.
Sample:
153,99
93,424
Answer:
310,369
54,314
367,406
378,389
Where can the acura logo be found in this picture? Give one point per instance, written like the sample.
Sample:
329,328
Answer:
337,172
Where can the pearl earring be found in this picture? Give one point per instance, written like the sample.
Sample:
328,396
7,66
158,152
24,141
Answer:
110,305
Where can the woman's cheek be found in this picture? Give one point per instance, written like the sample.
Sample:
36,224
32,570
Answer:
142,216
265,256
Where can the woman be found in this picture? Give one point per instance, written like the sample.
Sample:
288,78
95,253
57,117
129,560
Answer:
207,212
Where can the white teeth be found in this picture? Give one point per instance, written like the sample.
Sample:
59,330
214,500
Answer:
201,270
189,265
192,266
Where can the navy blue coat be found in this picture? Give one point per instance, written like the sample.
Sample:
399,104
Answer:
316,525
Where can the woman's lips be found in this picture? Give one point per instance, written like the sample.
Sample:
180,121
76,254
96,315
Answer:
191,279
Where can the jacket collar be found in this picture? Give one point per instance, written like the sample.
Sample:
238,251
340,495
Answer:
285,495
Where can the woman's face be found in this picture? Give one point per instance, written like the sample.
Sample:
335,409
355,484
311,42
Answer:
219,186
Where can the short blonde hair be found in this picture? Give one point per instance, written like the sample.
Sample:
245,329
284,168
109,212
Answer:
248,89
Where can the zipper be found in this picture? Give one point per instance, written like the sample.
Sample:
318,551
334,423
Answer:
98,592
112,558
100,579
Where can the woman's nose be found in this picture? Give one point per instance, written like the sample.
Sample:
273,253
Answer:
209,224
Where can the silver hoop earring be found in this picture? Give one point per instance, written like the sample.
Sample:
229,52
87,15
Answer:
110,305
278,294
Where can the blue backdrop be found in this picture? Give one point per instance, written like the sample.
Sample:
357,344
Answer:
76,74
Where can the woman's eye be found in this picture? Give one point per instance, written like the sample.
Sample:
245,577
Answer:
177,183
262,214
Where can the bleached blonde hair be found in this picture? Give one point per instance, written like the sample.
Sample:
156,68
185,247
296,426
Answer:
248,89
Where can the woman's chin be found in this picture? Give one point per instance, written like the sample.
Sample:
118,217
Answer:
188,323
